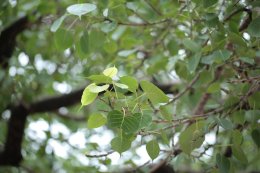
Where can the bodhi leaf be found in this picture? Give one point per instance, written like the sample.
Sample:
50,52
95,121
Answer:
145,120
97,89
130,82
63,39
129,124
121,144
256,137
153,149
81,9
110,72
57,23
98,79
88,96
223,163
192,137
96,120
154,93
122,86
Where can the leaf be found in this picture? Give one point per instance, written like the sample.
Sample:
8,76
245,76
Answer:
191,45
164,110
164,137
213,88
87,96
173,47
193,62
239,154
145,120
154,93
120,144
153,149
108,26
81,9
129,124
98,79
110,72
130,82
96,120
223,163
122,86
225,123
126,53
192,137
57,23
63,39
253,28
84,43
97,89
237,137
208,3
256,137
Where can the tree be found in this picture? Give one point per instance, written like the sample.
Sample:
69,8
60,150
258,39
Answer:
161,77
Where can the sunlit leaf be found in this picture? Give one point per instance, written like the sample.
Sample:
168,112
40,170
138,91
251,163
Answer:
97,89
98,79
96,120
130,82
88,96
57,23
110,72
81,9
120,85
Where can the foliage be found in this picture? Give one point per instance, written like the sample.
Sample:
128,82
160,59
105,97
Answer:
179,78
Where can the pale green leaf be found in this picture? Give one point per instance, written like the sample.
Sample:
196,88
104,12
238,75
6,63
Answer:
81,9
120,85
154,93
110,72
120,144
153,149
98,79
130,82
87,97
97,89
96,120
57,23
145,120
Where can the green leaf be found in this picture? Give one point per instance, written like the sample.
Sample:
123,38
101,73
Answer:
153,93
256,137
191,45
145,120
98,79
173,47
84,43
223,163
239,154
193,62
122,86
153,149
81,9
208,3
165,139
130,82
213,88
57,23
108,26
87,97
164,110
63,39
237,39
225,123
120,144
192,137
253,28
237,137
110,72
97,89
128,123
96,120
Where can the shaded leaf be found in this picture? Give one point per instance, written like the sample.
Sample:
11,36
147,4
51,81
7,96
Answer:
97,89
130,82
223,163
96,120
63,39
239,154
256,137
98,79
191,45
153,149
253,28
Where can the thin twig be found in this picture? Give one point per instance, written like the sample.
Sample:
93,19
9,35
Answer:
99,155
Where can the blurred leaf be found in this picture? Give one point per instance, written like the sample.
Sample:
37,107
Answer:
88,96
153,149
120,85
213,88
193,62
239,154
191,45
256,137
120,144
223,163
110,72
63,39
57,23
130,82
96,120
237,137
253,28
81,9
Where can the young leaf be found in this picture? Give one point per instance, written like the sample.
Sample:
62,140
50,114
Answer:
98,79
192,137
88,96
120,144
122,86
130,82
96,120
97,89
81,9
154,93
57,23
153,149
110,72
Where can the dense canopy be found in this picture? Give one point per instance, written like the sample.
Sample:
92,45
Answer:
130,86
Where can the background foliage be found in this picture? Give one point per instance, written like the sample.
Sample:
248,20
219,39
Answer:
177,79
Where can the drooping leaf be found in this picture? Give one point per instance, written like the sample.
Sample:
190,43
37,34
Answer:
98,79
154,93
97,89
239,154
254,26
63,39
81,9
88,96
120,144
130,82
57,23
96,120
192,137
223,163
153,149
110,72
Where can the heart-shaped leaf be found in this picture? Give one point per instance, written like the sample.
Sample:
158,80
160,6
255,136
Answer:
81,9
